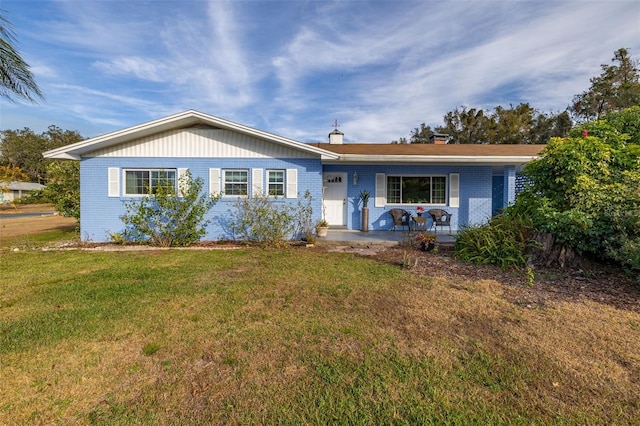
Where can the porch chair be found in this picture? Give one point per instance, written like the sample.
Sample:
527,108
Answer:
400,217
440,218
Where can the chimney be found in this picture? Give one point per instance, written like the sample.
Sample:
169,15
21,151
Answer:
335,137
438,139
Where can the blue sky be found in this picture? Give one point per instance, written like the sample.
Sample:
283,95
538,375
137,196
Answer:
293,67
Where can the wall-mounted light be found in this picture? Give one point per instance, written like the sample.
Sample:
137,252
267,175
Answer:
355,178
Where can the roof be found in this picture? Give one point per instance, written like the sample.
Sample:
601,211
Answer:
177,121
364,153
433,153
21,186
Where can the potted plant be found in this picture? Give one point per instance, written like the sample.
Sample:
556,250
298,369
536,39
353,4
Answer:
427,241
322,228
364,217
419,211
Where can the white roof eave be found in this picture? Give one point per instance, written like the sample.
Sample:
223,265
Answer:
435,159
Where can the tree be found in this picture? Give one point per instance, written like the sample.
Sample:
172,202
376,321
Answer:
467,126
618,87
12,174
15,77
63,187
421,135
584,189
521,124
23,148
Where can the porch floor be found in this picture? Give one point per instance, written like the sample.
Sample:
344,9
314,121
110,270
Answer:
391,238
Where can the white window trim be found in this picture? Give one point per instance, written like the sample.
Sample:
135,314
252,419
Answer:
223,182
284,183
410,175
142,169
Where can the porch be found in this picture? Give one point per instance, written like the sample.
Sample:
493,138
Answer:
390,238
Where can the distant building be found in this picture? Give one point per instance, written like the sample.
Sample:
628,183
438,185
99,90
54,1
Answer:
11,191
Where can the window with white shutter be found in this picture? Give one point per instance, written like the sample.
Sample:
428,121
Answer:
292,183
214,182
114,182
454,190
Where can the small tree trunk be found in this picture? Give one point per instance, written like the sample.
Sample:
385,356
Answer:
550,254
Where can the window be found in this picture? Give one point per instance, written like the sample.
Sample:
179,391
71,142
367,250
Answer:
236,182
276,182
141,182
416,189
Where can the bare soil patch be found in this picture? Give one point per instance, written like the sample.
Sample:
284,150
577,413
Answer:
11,227
11,209
596,282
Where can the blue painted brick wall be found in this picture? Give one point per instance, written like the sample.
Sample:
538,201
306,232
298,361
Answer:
475,193
100,214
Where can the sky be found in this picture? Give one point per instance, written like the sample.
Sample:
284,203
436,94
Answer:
294,68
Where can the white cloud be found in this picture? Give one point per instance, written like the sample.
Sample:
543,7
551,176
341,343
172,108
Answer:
143,68
380,68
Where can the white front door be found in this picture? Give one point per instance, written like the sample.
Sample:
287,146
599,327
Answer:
334,200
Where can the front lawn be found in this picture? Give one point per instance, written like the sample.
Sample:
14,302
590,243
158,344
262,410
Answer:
298,336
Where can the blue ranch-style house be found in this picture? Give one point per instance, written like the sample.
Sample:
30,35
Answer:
472,182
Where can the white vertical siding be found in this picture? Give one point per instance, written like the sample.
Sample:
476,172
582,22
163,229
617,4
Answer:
201,143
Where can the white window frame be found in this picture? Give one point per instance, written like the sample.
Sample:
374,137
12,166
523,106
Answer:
446,189
282,185
150,171
224,182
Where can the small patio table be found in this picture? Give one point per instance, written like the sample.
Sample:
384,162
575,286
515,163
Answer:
420,223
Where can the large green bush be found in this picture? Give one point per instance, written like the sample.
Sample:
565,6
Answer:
168,217
63,188
585,189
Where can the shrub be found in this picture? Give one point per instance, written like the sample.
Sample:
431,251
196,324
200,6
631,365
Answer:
271,221
166,218
585,189
503,241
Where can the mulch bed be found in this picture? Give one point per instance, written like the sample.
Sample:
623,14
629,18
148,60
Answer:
597,282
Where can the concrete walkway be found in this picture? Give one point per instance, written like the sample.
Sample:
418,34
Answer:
389,238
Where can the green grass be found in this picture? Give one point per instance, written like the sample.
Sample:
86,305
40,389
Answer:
295,337
38,240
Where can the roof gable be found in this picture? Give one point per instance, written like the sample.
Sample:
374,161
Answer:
189,119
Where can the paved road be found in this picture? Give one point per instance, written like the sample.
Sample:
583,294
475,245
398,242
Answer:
20,215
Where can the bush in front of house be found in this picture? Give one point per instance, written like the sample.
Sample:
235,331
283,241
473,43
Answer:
167,217
584,190
272,221
503,241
